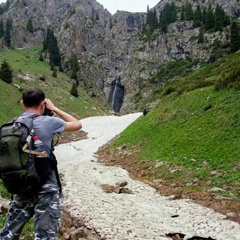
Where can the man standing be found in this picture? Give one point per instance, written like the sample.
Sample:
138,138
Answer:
43,204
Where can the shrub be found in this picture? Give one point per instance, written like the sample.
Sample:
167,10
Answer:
168,90
74,90
229,80
54,73
6,72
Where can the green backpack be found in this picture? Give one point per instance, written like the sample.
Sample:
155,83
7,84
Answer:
20,170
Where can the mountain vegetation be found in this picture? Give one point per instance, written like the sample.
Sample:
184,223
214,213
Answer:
206,17
24,69
192,133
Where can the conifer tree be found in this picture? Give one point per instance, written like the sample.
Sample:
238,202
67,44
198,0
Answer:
173,13
6,72
41,58
163,22
152,20
54,73
218,19
50,46
235,37
1,9
188,12
182,16
29,26
1,28
74,66
197,17
7,5
148,16
201,35
226,21
204,14
54,53
209,21
7,33
154,23
74,90
144,29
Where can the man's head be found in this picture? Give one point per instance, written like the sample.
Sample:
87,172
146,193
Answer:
32,97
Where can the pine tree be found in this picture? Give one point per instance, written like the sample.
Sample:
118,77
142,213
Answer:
60,67
1,9
74,90
148,16
144,29
1,28
154,20
204,14
7,33
235,37
7,5
54,73
41,58
74,66
73,62
173,13
182,16
201,35
6,72
188,12
163,24
209,21
29,26
226,21
218,19
50,46
197,17
54,53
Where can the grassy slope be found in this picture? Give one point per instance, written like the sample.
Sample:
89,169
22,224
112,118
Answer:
195,133
25,62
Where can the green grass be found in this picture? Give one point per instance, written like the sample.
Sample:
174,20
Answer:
24,62
196,132
194,129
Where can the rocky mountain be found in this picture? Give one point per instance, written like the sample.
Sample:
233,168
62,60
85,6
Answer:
116,57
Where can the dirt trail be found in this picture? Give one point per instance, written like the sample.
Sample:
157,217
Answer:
119,207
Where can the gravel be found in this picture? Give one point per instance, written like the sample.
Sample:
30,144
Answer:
141,213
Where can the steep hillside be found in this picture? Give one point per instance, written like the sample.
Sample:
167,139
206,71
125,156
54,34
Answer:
29,71
190,139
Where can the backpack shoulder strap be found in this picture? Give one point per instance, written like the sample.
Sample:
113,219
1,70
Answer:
29,139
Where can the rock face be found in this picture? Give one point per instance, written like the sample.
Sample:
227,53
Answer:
116,96
111,46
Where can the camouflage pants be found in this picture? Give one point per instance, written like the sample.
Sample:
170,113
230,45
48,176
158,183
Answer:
45,210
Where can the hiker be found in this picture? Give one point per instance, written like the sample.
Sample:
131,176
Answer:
43,204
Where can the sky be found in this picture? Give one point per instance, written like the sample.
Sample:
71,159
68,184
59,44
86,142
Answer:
127,5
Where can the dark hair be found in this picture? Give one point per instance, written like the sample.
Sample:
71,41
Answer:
32,97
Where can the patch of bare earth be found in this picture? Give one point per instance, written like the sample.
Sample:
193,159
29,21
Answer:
67,137
124,157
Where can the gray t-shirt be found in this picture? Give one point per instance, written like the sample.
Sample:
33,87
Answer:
45,127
